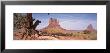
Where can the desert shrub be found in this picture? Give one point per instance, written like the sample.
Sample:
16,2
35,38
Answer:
59,34
86,32
68,34
52,30
78,32
75,34
44,33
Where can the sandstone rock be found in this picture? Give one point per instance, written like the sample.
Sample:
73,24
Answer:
53,27
90,28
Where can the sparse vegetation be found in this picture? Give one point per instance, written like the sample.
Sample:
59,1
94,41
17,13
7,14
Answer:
86,32
25,30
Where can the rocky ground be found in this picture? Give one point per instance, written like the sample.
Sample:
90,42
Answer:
19,36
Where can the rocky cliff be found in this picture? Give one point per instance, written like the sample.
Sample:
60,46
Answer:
53,27
90,28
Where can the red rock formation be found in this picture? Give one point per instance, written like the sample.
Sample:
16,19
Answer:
90,28
53,26
53,23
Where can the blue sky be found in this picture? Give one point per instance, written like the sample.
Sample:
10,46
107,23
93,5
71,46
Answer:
70,21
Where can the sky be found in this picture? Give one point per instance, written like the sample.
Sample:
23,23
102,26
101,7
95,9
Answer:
69,21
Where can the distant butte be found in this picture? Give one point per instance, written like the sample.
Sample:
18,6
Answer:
54,24
90,28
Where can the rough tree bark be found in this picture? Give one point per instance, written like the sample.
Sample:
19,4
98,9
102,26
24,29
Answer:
24,24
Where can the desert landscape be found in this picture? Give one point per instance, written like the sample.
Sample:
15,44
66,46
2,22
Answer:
25,29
